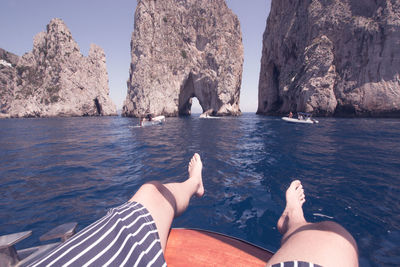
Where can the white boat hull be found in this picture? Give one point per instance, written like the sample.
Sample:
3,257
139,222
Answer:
295,120
208,117
154,121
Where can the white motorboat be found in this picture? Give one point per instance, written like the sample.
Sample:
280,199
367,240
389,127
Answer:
154,121
207,116
301,118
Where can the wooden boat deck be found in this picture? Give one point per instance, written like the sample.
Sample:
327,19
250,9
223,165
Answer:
192,247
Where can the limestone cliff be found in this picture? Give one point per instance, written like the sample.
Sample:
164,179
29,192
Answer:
338,57
182,49
54,79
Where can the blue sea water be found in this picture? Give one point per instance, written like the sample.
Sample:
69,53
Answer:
58,170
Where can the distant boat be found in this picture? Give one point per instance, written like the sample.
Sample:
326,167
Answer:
154,121
301,118
206,116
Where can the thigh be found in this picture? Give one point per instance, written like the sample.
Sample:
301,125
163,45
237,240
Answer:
155,197
325,243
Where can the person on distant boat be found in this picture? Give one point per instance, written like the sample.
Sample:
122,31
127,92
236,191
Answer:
323,244
135,233
149,117
290,114
300,117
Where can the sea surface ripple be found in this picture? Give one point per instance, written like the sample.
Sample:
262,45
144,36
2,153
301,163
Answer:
58,170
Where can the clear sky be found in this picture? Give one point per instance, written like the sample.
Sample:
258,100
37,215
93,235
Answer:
109,24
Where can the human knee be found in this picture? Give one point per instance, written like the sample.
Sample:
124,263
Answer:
332,226
340,230
150,187
147,192
156,192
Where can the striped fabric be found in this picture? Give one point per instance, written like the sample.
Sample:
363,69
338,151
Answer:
126,236
295,264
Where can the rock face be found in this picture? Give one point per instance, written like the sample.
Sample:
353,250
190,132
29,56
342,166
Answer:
337,57
55,79
182,49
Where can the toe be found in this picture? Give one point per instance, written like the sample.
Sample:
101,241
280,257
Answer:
295,184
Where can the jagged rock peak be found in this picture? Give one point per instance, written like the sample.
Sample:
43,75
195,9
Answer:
182,49
55,79
338,57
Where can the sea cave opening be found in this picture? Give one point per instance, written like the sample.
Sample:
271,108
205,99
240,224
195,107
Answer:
98,106
188,101
196,107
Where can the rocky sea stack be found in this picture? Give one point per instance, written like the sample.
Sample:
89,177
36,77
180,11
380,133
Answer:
55,79
182,49
338,57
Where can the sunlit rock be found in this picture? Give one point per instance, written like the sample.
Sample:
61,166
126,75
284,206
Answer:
184,49
54,79
339,57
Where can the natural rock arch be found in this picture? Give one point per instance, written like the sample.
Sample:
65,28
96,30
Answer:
181,50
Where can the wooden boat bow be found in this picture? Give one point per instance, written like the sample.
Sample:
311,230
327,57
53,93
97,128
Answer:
193,247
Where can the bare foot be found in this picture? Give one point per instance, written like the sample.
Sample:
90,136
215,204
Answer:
293,213
194,168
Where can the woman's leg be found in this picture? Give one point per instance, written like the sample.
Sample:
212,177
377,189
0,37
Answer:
167,201
324,243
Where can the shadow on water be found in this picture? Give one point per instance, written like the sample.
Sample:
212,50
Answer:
73,169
